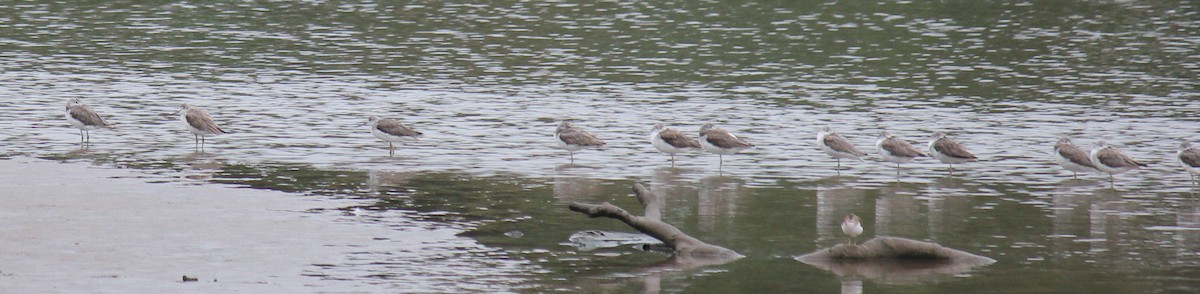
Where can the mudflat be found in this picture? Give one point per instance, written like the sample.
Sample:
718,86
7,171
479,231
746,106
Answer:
76,228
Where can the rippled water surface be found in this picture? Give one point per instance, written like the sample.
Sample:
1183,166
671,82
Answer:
487,84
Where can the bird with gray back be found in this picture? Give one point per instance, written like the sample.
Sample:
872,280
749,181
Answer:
85,119
1189,158
721,142
1111,160
1073,158
391,131
574,139
198,122
837,146
948,151
896,150
670,141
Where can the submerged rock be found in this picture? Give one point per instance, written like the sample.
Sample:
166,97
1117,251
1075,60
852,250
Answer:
894,260
895,248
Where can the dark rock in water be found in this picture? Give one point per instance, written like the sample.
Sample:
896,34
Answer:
896,248
894,260
190,279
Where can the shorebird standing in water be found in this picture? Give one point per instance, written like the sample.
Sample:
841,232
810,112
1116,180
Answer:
1072,157
721,142
1112,161
574,139
391,131
897,151
1189,158
671,141
85,119
948,151
837,146
198,122
851,226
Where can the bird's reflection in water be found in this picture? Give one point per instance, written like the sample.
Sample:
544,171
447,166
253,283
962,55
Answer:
677,194
899,213
1105,220
382,183
669,179
717,200
201,166
652,276
852,286
949,202
572,184
891,271
1070,202
82,151
1187,218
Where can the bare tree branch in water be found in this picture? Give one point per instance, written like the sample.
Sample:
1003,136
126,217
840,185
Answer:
681,243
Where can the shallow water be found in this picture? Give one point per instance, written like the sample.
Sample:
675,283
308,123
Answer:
487,84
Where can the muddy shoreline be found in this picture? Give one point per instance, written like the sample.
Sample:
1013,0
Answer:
76,228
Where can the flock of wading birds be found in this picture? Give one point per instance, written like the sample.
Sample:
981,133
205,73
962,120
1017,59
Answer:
1104,158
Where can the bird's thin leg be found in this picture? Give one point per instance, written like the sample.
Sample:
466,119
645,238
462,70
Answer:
720,162
81,136
572,153
839,165
1075,175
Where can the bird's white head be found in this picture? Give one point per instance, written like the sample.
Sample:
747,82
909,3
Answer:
657,127
563,126
1185,146
706,127
825,129
183,107
938,135
884,135
73,102
851,219
370,120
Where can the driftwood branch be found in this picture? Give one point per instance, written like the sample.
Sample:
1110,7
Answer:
651,203
678,241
